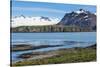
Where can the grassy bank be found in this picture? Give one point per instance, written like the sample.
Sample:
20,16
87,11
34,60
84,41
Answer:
71,55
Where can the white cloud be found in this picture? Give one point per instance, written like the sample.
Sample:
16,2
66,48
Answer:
39,9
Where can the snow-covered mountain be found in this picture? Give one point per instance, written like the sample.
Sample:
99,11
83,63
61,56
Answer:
32,21
81,18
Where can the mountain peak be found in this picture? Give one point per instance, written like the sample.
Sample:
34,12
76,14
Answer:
22,16
32,21
80,18
80,11
45,18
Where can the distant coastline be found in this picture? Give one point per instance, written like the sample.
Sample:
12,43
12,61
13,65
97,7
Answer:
51,28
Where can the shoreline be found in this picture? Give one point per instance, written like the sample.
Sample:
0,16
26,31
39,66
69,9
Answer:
26,47
59,56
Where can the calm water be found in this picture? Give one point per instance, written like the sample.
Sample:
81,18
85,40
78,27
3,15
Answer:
73,39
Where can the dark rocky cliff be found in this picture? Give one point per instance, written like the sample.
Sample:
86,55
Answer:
79,18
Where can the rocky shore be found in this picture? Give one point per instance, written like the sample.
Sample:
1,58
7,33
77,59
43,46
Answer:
24,47
66,55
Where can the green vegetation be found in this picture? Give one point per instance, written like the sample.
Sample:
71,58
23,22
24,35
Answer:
65,56
51,28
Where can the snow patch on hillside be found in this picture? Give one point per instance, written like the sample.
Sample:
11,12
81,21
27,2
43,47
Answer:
32,21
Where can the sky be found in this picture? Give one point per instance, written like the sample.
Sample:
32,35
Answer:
56,10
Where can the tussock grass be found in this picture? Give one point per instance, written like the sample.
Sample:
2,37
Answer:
65,56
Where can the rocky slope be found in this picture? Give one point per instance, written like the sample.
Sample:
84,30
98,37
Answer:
81,18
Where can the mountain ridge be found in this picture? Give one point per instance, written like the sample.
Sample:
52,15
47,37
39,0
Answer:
79,18
32,21
75,21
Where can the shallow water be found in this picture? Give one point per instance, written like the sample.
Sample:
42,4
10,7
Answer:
69,40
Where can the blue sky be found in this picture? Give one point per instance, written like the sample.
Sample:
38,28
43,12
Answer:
46,9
